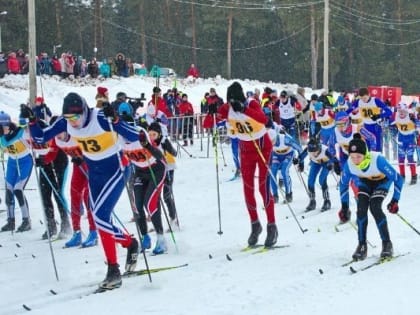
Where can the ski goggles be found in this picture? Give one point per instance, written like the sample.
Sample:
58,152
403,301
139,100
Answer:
73,117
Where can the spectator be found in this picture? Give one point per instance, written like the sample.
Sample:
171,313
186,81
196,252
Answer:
13,64
130,67
83,68
3,65
23,61
55,65
193,72
121,65
186,111
69,63
105,69
41,110
93,69
102,96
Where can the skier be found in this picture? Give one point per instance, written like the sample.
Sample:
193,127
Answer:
247,121
18,170
98,138
371,109
374,176
79,191
284,147
161,139
406,125
148,178
321,162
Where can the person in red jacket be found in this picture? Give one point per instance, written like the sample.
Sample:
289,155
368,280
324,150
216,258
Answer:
159,103
186,111
13,64
193,72
246,121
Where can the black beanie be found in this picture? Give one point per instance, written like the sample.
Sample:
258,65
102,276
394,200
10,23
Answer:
314,145
357,145
155,126
235,92
73,104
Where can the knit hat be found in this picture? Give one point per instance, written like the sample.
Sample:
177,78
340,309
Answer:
102,90
314,97
39,99
155,126
73,104
283,93
341,117
4,119
156,89
357,145
235,92
314,145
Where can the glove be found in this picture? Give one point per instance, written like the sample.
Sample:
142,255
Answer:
212,108
109,111
329,166
39,161
344,214
337,168
143,139
393,206
375,117
301,167
77,160
27,113
295,161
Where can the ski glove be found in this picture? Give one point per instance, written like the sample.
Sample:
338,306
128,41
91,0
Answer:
109,111
337,168
301,167
143,139
344,214
39,161
237,106
375,117
295,161
393,206
329,166
27,113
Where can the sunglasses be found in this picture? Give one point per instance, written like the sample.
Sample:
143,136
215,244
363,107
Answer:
73,117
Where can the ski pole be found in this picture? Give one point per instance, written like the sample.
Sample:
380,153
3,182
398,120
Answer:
302,180
408,223
183,148
43,212
223,155
133,206
59,196
215,138
274,178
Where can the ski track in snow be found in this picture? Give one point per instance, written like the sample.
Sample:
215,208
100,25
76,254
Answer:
281,281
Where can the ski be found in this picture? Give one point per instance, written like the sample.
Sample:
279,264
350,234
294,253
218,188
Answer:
268,249
380,261
152,270
235,177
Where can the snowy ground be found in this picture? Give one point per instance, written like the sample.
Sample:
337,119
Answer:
282,281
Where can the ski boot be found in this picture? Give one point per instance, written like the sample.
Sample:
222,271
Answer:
327,203
25,226
91,239
271,235
75,240
387,249
361,252
289,198
9,226
276,198
65,228
413,179
312,202
146,242
132,254
52,227
160,247
113,278
256,230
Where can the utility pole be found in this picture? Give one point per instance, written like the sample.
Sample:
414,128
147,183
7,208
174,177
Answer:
326,43
32,50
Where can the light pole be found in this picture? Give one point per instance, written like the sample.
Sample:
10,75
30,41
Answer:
1,13
55,48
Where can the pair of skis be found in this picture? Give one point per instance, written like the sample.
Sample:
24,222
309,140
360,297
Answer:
377,262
